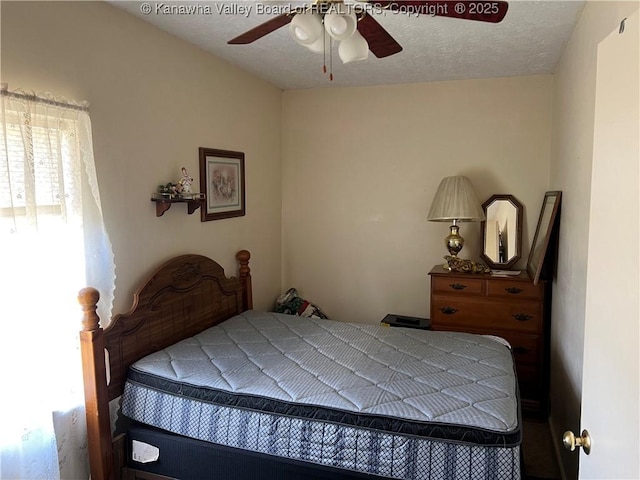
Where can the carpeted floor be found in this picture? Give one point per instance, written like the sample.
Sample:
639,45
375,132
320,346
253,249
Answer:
539,453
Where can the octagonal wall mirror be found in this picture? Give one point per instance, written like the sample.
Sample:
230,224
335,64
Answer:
502,231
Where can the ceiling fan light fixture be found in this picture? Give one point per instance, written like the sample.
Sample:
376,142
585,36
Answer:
323,44
340,23
353,49
306,28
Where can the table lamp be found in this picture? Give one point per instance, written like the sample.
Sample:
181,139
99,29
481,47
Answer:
455,201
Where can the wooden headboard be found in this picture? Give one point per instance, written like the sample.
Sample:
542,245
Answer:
184,296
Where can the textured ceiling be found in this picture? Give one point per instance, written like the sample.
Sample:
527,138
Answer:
528,41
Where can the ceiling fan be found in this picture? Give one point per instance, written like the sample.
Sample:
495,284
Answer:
357,30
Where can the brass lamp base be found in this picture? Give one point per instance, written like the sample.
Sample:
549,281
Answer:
454,242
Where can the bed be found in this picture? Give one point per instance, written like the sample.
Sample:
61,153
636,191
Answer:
210,388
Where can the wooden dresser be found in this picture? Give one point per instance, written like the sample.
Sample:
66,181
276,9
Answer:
511,307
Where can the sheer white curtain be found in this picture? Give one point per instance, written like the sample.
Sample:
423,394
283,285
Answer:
52,244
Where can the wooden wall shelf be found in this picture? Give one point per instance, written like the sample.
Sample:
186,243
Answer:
163,203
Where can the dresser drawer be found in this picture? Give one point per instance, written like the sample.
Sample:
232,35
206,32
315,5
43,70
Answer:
523,317
466,286
529,381
514,290
525,348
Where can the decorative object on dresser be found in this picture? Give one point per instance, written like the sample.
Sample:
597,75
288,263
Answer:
511,307
465,266
502,231
222,181
455,201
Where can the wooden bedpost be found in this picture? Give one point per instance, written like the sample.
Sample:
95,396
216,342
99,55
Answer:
243,257
95,388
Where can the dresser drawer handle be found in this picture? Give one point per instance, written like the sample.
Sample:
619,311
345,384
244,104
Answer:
448,310
458,286
522,317
514,290
521,350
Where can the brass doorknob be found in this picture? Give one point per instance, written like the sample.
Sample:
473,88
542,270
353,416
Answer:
570,441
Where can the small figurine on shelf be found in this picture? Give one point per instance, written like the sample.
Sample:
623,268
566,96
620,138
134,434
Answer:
168,190
185,182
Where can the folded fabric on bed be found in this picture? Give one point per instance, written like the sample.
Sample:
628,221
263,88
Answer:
357,396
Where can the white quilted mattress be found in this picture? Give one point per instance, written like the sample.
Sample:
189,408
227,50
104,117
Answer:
262,371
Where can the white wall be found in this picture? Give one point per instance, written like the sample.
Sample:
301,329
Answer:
571,166
361,166
154,100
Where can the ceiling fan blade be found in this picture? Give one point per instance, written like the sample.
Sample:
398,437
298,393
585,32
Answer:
480,10
380,42
261,30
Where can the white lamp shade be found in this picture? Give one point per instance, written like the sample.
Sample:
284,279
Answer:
323,44
455,200
340,23
306,28
353,48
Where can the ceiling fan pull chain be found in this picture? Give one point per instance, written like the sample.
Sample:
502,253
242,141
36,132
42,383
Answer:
324,51
330,61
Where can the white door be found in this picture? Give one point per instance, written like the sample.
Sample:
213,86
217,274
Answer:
611,383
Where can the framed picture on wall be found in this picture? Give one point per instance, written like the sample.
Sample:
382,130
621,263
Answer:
222,182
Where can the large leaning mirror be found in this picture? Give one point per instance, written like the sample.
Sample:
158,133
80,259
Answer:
502,231
540,246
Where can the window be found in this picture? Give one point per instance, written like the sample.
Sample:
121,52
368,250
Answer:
53,243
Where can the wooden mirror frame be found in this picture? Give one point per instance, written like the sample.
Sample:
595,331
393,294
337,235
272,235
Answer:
518,231
540,245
